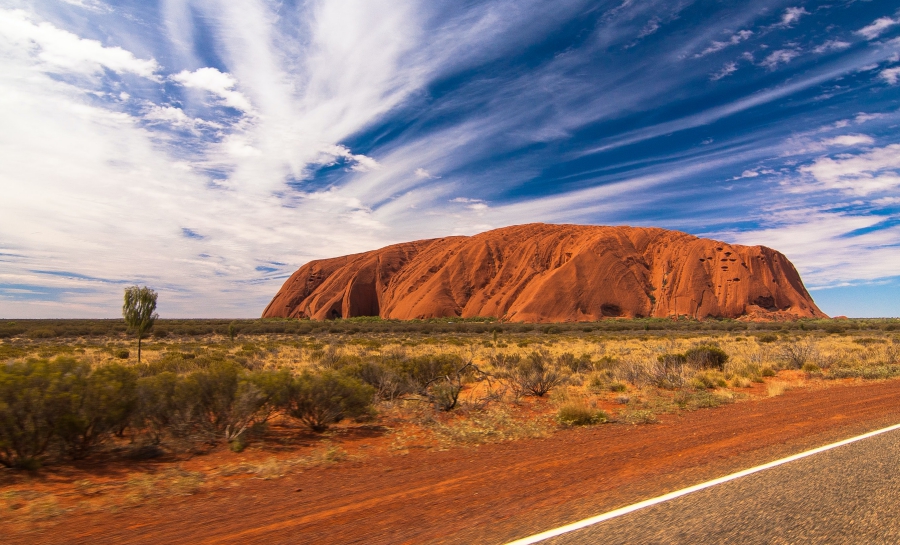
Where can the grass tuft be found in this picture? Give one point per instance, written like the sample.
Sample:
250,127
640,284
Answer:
580,414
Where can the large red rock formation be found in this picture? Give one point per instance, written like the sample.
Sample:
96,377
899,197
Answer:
551,273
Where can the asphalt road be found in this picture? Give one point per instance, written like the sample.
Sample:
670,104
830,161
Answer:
850,494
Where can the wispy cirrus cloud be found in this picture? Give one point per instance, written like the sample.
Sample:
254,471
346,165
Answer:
877,27
727,70
874,171
890,75
209,148
716,46
781,56
92,5
830,244
831,45
791,16
56,50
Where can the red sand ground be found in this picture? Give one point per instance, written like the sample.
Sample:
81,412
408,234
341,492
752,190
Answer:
492,493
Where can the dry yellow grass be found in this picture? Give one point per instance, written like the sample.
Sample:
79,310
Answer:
746,352
615,382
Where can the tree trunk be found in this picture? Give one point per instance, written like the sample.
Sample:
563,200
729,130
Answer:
139,349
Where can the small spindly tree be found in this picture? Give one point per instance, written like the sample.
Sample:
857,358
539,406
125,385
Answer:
138,311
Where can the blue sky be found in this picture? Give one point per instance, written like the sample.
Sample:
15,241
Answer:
209,148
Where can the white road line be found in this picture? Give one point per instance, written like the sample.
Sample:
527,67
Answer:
685,491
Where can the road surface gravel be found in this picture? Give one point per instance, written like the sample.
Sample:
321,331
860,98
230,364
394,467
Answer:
850,494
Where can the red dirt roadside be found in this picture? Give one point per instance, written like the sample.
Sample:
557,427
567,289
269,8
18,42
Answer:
493,493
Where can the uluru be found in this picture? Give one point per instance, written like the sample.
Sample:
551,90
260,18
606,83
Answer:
551,273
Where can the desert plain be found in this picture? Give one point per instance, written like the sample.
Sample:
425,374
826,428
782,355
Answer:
472,430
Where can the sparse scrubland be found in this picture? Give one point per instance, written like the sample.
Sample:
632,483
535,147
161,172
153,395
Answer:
266,397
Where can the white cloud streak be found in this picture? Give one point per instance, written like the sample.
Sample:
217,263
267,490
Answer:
92,5
891,75
791,16
717,46
119,196
60,51
832,45
727,70
118,188
877,27
781,56
874,171
217,83
826,246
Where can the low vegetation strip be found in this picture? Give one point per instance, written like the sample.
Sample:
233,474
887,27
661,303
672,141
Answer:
68,408
66,400
69,401
180,328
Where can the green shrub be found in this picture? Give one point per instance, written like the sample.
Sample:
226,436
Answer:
865,341
606,362
638,416
618,387
320,400
796,354
444,395
708,379
877,372
599,381
707,357
183,363
535,376
699,399
573,364
94,405
28,401
62,403
504,362
579,414
437,377
672,361
419,372
238,444
567,361
226,404
164,407
122,354
10,329
216,403
387,383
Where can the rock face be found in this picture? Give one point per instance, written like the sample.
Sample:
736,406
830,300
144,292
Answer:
551,273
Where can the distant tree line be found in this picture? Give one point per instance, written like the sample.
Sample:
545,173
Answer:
177,328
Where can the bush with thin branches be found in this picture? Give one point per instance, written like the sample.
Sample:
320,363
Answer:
797,353
535,375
